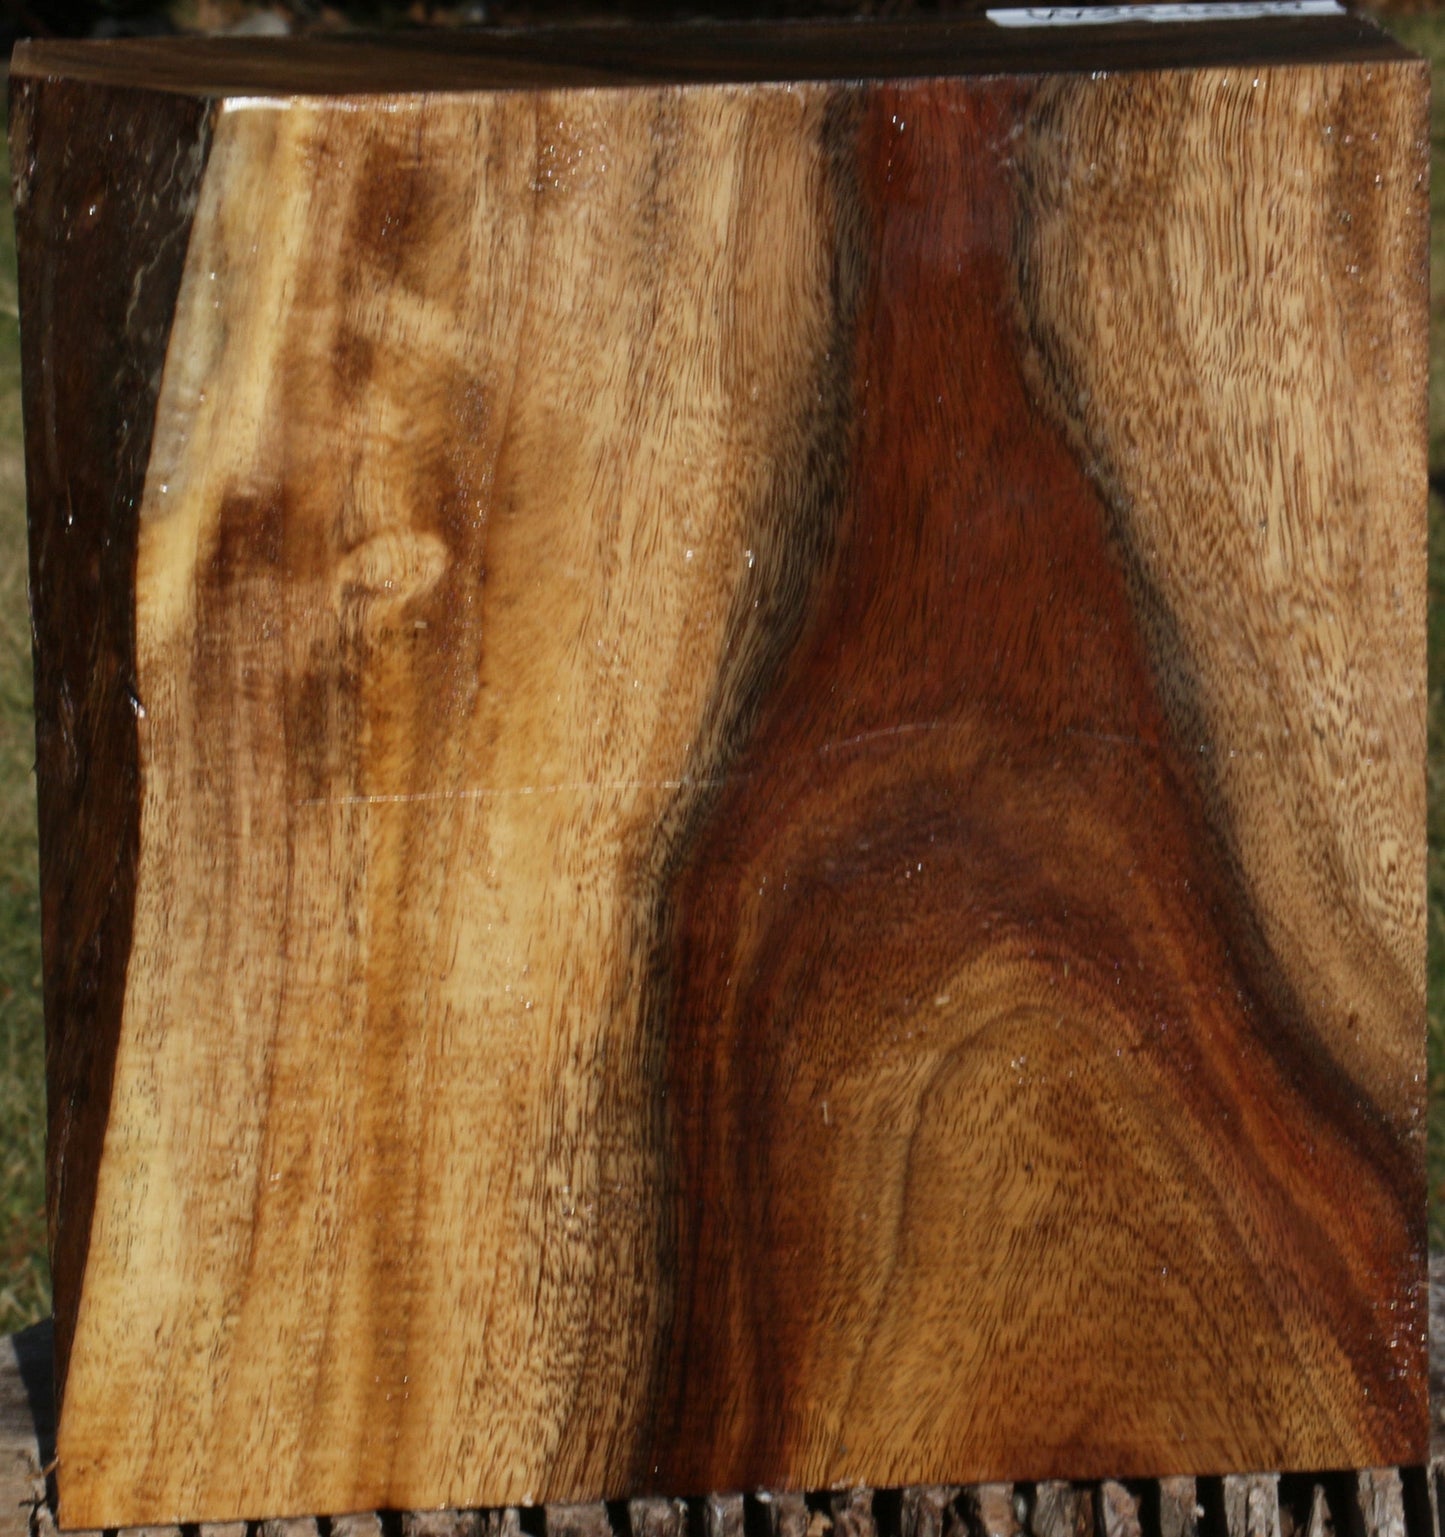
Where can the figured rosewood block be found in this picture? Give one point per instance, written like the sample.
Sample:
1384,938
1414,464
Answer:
731,735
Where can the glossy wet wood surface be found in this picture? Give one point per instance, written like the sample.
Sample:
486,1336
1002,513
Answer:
775,813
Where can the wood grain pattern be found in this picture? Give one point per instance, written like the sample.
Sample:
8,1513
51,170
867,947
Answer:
1375,1502
779,741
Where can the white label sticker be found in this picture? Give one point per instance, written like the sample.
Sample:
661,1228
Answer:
1190,10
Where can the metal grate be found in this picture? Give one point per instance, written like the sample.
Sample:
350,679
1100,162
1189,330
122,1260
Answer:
1386,1502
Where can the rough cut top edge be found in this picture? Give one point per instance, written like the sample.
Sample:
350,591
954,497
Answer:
697,53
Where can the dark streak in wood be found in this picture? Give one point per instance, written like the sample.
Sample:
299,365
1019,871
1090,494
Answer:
793,531
950,714
101,244
702,54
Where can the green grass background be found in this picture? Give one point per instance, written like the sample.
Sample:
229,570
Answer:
24,1275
